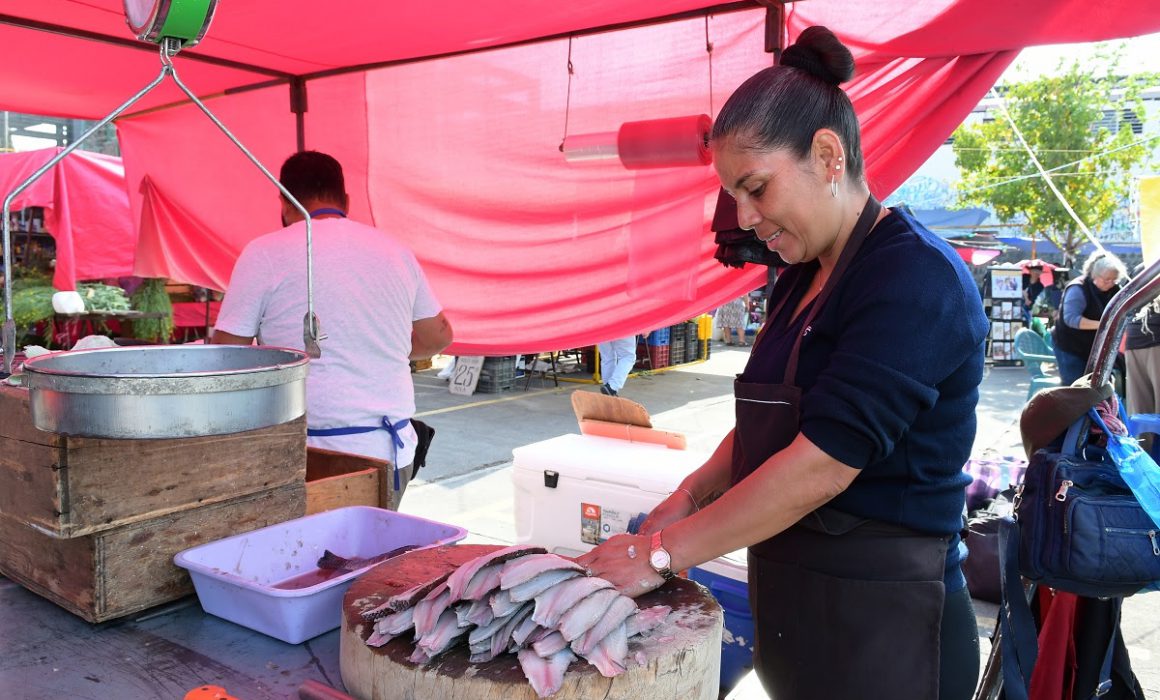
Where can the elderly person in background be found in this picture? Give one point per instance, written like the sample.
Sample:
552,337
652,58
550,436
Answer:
1083,303
854,415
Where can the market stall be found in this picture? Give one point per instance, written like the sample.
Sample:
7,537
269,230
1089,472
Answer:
79,515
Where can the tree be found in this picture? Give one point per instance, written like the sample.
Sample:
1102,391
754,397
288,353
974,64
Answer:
1062,118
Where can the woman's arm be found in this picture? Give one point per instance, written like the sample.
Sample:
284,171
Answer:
698,489
790,484
1073,304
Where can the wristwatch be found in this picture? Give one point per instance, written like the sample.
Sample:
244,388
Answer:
658,557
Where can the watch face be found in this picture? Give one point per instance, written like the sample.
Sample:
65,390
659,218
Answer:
140,12
659,559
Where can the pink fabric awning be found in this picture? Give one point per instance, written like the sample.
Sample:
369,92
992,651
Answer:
460,155
86,211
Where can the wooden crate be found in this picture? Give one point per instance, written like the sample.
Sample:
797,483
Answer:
71,486
124,570
339,479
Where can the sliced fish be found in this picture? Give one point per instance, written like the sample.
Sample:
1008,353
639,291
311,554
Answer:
556,601
535,586
620,610
611,653
502,604
396,624
584,615
647,620
524,630
546,675
550,644
407,599
526,568
428,610
446,632
491,628
484,582
478,613
458,580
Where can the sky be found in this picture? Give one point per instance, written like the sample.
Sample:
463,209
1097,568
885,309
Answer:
1142,52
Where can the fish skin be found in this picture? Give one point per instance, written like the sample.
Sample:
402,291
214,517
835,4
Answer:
647,620
459,578
526,568
499,641
545,675
610,655
377,640
585,614
429,610
541,582
620,610
331,561
556,601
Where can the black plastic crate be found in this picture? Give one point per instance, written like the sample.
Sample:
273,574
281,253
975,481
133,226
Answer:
497,374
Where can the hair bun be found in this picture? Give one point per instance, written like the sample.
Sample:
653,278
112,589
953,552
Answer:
818,52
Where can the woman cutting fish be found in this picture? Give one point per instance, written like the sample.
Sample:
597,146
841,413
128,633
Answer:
854,415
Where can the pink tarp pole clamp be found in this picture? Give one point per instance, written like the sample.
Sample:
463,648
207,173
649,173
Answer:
665,143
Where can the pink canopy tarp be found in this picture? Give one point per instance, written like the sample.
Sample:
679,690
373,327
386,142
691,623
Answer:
449,123
86,210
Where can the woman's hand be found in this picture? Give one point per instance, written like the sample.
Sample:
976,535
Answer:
623,560
677,506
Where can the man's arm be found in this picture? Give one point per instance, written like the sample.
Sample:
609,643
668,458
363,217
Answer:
223,338
429,336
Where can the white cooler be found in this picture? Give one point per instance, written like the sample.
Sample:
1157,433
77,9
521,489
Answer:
575,491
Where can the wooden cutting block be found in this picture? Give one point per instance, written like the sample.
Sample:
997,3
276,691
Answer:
589,405
682,656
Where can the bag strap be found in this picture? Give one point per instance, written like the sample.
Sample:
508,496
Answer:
1019,644
1105,684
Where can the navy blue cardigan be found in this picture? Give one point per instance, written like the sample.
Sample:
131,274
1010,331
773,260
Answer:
890,371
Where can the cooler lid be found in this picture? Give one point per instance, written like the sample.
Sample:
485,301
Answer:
646,467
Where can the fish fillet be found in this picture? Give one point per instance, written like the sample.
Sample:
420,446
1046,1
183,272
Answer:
526,568
535,586
621,609
458,580
584,615
546,675
556,601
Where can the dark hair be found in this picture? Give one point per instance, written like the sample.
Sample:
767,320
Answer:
311,175
783,106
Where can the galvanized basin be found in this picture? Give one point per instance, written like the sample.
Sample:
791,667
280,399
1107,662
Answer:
166,391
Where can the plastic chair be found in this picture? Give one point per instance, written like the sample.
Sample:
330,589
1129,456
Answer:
1034,351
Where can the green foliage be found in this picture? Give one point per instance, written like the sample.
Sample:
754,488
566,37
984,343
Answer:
1057,115
102,297
151,297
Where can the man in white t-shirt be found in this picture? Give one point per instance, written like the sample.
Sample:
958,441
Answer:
373,304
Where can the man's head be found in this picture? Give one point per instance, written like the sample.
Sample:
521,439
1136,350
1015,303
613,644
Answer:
315,179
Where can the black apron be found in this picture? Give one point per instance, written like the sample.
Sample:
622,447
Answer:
844,607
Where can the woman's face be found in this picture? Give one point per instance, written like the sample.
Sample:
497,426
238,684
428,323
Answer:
780,197
1106,280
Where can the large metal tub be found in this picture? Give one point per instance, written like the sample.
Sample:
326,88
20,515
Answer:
166,391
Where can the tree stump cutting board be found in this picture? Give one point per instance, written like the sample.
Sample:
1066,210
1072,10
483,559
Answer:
683,655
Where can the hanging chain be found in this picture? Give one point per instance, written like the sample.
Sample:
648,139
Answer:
568,99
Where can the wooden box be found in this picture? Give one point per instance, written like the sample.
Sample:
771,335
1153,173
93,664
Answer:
126,569
339,479
71,486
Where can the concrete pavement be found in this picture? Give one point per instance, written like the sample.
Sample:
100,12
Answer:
467,480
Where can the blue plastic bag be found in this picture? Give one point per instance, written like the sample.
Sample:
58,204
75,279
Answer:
1137,468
